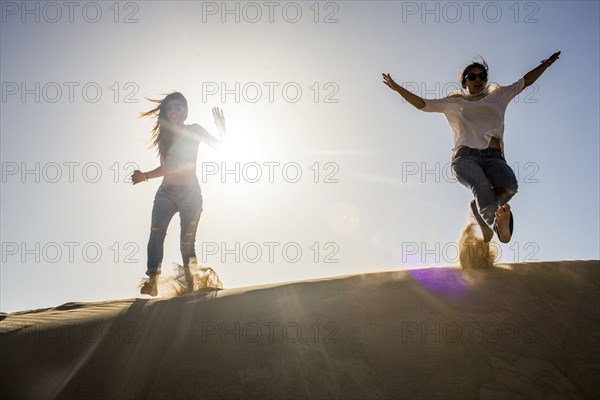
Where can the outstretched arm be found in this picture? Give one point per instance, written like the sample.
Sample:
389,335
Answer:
535,73
139,176
220,122
408,96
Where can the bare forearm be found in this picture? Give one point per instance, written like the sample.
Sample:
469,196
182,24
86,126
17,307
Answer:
155,173
219,117
413,99
213,141
222,135
535,73
216,141
139,176
408,96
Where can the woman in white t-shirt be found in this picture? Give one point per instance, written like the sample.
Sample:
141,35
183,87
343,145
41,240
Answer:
477,122
179,192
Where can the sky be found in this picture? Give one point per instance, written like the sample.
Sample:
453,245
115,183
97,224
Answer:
325,171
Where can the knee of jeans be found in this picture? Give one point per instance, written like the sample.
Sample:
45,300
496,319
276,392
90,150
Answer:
507,192
505,197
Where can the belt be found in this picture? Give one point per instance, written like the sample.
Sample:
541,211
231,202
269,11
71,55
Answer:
470,150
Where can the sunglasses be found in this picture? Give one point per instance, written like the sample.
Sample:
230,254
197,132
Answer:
472,76
176,107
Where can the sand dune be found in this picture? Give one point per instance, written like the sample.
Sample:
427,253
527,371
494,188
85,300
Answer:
518,331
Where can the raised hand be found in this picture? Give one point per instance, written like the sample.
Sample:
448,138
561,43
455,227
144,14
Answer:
387,79
219,119
550,60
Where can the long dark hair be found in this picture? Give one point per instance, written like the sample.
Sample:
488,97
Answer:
162,134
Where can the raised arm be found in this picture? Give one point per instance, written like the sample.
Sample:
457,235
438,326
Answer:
535,73
220,122
413,99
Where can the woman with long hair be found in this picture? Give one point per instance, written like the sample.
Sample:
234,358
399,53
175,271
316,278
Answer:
177,145
476,117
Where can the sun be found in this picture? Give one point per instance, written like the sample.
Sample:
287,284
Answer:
243,148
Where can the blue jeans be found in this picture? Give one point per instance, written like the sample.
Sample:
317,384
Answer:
489,177
170,199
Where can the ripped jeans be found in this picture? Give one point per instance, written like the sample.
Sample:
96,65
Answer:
170,199
486,173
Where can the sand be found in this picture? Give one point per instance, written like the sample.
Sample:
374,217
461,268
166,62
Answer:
517,331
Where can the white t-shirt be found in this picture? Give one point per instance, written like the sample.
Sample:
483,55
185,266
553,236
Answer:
475,122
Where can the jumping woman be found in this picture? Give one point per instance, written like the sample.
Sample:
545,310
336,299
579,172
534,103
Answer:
177,146
476,117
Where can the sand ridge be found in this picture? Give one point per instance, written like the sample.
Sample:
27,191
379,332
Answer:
514,331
